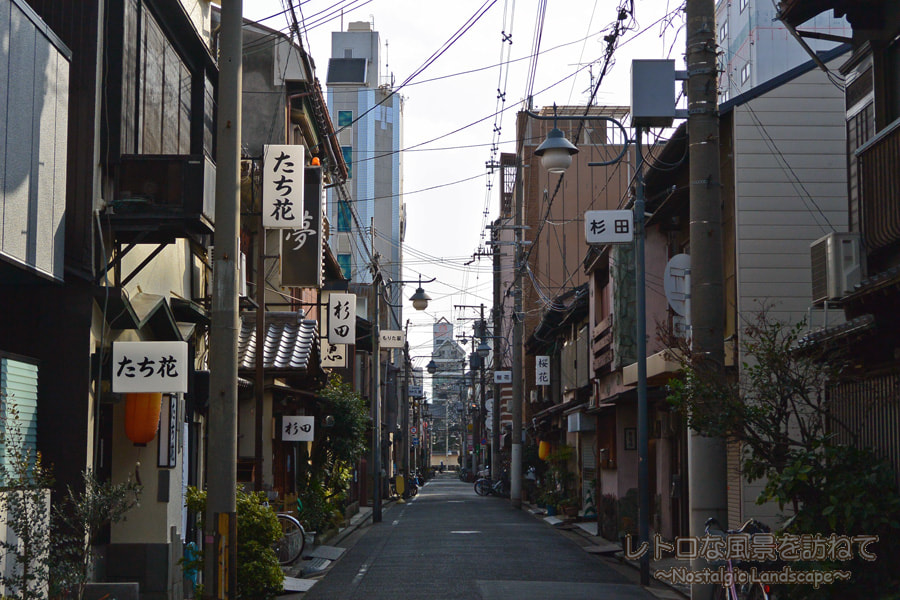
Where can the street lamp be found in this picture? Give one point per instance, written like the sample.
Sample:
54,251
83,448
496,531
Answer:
483,349
420,298
431,367
557,151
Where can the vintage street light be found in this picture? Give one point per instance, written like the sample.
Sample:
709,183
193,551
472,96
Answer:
420,298
483,349
556,151
431,367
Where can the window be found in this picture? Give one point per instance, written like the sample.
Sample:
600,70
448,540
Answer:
345,118
744,4
344,217
723,32
344,262
18,388
347,151
745,73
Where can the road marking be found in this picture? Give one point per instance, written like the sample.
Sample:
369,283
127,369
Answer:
465,532
395,522
361,573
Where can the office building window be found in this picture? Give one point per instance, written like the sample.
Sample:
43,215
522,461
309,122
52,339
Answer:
345,118
723,32
347,151
744,4
344,217
344,262
745,73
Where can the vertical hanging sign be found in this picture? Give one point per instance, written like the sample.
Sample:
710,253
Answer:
331,356
342,318
301,246
282,186
542,370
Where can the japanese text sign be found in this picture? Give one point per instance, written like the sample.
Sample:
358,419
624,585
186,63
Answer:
297,429
608,226
391,339
542,370
342,318
301,246
502,376
282,187
331,356
150,367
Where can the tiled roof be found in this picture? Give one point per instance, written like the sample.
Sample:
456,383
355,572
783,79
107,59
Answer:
845,330
883,280
288,343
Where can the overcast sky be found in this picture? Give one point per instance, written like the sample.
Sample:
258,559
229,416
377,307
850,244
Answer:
453,100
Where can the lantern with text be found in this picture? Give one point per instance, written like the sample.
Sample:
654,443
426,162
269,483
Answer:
142,416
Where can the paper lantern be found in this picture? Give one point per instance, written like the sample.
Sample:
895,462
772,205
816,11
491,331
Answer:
544,450
142,416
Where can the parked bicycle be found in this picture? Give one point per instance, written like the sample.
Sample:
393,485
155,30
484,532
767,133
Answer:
486,487
293,537
735,591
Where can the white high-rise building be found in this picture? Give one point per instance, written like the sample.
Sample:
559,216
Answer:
368,118
755,47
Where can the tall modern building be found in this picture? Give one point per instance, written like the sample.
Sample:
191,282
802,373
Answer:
368,117
756,47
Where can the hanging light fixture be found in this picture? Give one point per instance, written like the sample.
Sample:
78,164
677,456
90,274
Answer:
142,416
420,299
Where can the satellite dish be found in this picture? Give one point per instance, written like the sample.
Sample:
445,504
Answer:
677,283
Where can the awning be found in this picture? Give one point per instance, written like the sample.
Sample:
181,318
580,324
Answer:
143,311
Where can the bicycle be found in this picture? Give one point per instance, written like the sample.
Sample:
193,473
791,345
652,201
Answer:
487,487
732,591
290,546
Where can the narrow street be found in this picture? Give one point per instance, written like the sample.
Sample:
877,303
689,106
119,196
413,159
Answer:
447,542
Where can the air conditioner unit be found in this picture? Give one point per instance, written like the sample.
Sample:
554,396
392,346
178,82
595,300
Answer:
836,266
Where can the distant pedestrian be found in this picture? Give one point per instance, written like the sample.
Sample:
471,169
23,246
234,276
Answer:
442,466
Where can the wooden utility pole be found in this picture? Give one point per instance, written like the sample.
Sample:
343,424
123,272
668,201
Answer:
706,456
220,528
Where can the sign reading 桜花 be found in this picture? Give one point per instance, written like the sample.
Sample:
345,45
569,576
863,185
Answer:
502,376
282,186
150,367
342,318
608,226
392,339
297,429
542,370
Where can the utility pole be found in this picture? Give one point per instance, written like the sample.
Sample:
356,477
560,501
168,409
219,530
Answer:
706,455
376,389
498,363
515,470
404,418
220,529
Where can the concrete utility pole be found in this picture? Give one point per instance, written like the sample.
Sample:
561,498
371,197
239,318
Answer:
220,528
515,470
376,391
404,416
498,364
706,456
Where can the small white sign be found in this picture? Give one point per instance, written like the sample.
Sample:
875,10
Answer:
331,356
608,226
416,391
282,187
342,318
297,429
542,370
502,376
150,367
392,338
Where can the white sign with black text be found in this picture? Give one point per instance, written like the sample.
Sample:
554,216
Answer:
342,318
391,339
542,370
282,187
150,367
608,226
502,376
297,429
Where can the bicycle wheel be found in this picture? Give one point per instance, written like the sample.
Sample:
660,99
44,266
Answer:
482,487
290,546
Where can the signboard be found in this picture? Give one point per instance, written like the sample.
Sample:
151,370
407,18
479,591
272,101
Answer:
502,376
392,339
297,429
167,449
415,441
416,391
282,186
413,430
301,246
150,367
542,370
342,318
608,226
331,356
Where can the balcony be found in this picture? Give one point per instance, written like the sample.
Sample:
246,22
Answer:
879,176
160,197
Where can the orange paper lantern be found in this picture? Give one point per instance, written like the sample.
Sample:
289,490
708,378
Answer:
543,450
142,416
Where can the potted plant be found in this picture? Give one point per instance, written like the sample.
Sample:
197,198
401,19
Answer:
569,506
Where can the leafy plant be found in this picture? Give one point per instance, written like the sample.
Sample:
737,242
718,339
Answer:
78,521
259,575
24,502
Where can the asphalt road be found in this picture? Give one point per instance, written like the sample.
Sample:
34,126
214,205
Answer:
447,542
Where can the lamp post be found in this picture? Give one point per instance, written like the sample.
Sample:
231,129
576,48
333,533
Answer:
556,155
420,302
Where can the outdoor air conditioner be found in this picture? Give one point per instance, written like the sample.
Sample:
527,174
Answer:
836,266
